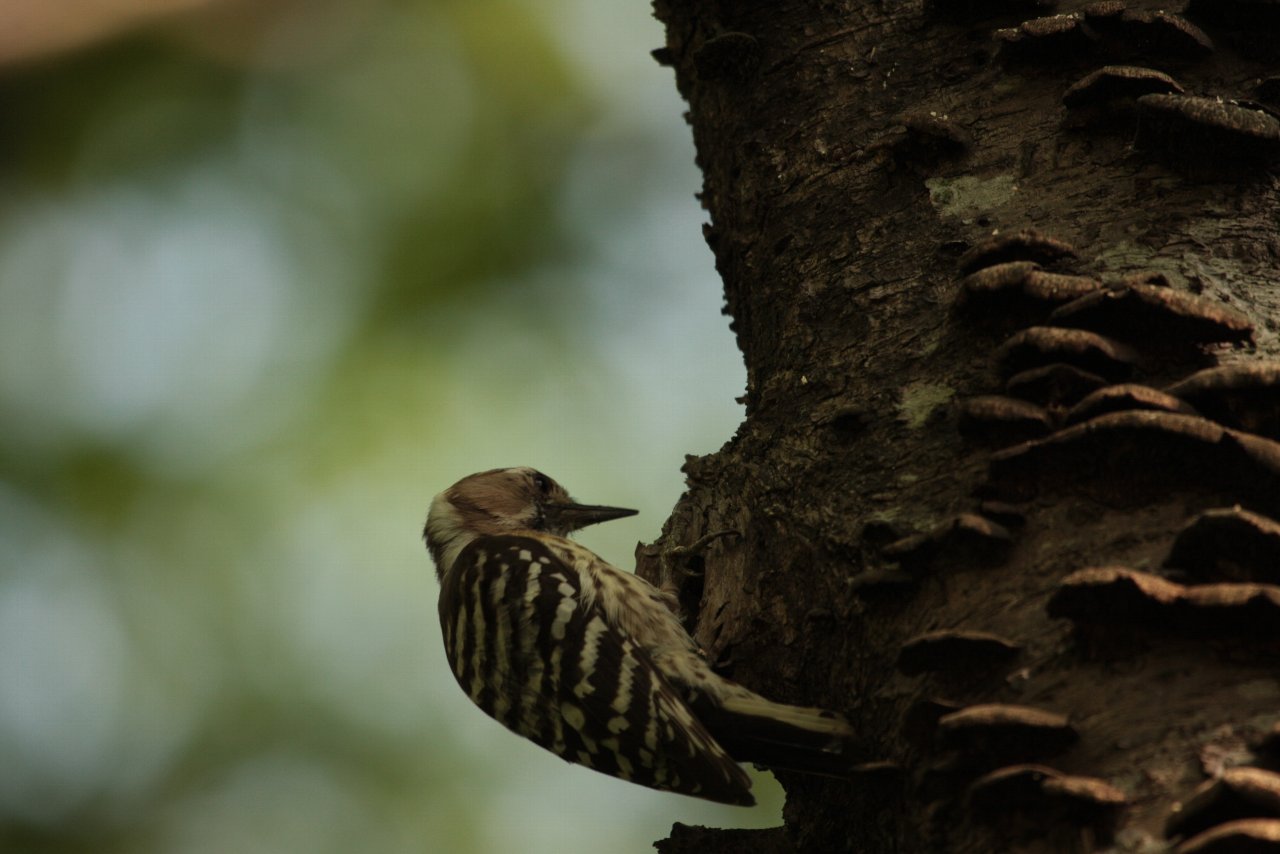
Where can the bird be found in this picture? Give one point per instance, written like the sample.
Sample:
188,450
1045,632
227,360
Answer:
592,662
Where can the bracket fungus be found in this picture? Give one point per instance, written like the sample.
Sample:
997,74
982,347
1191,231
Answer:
1001,420
1161,317
1123,397
1208,134
1054,384
1229,543
1121,597
1157,34
995,734
1117,83
1048,39
1023,281
964,538
1239,793
1250,835
1246,395
1025,245
1044,791
1121,456
955,650
1037,346
924,138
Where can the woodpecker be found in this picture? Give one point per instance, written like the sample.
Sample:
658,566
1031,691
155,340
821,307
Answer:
591,662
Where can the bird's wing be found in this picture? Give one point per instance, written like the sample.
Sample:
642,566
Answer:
529,645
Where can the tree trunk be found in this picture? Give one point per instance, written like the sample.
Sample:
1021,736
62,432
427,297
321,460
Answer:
988,495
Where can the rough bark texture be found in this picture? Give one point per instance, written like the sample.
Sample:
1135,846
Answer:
920,469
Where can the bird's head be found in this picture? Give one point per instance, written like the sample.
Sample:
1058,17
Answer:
504,501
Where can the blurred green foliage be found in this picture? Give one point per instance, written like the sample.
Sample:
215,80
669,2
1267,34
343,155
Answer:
263,291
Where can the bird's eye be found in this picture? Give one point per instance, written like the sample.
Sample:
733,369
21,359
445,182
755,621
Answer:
542,482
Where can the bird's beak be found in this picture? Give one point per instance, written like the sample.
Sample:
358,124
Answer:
571,517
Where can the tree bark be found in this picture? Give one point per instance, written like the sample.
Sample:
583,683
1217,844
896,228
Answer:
936,239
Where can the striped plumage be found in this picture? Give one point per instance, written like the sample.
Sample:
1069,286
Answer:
591,662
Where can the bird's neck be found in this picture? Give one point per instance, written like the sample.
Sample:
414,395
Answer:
446,533
445,551
449,530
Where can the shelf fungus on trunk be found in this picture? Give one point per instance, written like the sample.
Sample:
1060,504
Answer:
1228,544
1120,597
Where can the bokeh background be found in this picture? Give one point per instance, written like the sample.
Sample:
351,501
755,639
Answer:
272,273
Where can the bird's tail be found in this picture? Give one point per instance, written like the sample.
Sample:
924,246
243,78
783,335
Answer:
791,738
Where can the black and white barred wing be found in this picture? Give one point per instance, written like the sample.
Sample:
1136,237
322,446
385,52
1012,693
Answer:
535,653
